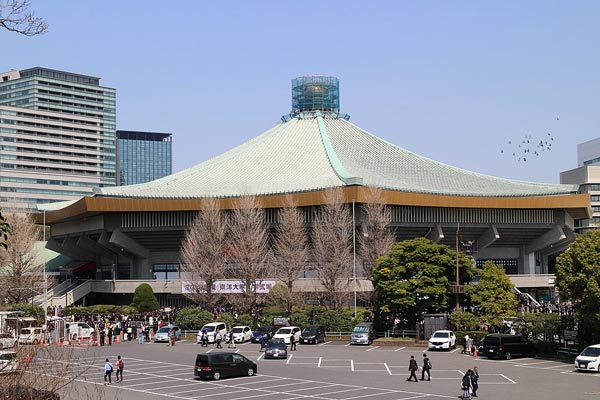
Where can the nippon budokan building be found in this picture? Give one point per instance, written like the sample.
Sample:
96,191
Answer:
122,236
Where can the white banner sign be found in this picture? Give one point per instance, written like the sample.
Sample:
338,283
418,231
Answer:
229,286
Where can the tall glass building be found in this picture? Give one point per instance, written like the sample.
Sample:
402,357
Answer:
143,156
57,137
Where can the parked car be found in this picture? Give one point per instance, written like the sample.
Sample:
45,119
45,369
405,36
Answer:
276,348
241,333
162,335
211,330
363,334
31,336
7,340
261,331
442,340
8,361
313,334
77,330
506,346
589,359
222,365
287,332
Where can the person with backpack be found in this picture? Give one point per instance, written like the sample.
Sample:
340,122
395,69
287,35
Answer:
120,365
108,370
426,368
413,367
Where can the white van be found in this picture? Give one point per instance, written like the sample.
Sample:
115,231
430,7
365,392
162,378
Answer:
211,330
31,335
75,330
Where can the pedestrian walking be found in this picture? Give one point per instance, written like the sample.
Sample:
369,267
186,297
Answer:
466,385
172,337
108,370
263,342
469,345
475,380
230,341
426,368
204,338
464,344
292,342
413,367
140,334
120,366
218,340
102,337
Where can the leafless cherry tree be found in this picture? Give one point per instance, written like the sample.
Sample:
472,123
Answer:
16,17
22,273
290,250
375,237
249,243
332,246
202,253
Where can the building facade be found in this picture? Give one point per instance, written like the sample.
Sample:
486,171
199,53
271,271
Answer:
57,137
587,176
143,156
134,234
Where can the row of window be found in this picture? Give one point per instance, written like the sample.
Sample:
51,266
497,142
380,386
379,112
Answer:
108,172
43,181
8,189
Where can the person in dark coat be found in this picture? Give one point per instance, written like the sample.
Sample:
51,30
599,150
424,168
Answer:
466,385
475,381
110,335
413,367
292,342
426,368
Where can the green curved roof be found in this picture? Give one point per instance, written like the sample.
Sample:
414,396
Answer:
315,150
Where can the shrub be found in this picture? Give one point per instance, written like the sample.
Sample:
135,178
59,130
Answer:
245,319
144,299
193,318
228,319
464,321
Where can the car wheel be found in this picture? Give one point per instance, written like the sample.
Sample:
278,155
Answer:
217,375
507,356
250,372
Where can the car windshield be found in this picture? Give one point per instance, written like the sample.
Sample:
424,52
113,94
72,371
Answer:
275,344
264,329
284,331
7,356
361,329
238,330
208,328
441,335
310,329
164,329
591,352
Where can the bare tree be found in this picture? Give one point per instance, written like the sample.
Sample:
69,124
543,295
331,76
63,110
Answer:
375,238
249,242
332,246
202,253
16,17
22,274
290,250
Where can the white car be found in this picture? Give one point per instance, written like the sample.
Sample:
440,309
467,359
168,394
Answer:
8,362
78,330
287,332
212,329
442,340
589,359
241,333
7,340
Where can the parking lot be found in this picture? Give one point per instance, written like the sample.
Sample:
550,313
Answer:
329,371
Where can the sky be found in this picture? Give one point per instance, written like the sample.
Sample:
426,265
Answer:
452,81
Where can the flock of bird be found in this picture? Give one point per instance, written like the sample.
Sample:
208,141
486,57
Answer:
529,147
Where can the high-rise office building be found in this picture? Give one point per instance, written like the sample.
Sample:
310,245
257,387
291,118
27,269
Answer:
587,176
143,156
57,137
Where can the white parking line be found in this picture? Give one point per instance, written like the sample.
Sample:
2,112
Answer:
388,368
373,348
507,378
352,365
400,348
289,358
261,356
319,364
324,343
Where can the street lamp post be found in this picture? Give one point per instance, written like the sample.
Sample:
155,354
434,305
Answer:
354,255
45,287
457,287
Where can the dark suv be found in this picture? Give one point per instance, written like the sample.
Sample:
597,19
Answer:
313,334
506,346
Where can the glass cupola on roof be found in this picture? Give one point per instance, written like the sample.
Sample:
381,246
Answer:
315,93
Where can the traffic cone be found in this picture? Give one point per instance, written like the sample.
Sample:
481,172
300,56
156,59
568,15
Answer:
78,342
27,359
117,340
42,342
58,343
476,353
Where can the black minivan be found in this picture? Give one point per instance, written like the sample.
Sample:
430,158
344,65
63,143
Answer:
313,334
506,346
222,365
